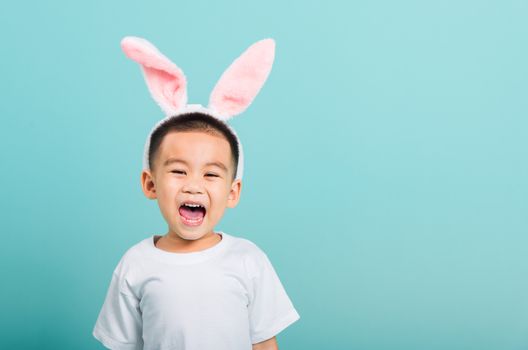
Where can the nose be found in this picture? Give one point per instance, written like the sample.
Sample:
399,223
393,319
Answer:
192,185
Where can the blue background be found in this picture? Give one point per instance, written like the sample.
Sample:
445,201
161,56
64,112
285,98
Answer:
386,163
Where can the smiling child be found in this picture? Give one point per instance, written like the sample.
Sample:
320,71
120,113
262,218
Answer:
195,288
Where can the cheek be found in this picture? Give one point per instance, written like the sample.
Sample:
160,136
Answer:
168,189
218,191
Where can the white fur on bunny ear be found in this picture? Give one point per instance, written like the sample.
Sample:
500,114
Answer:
242,81
165,80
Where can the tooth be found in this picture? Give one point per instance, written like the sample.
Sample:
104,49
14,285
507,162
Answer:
193,205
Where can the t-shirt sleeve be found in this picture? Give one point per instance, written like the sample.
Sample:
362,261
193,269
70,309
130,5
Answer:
270,308
119,324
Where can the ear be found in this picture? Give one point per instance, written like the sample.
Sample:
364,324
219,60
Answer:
147,184
234,194
242,81
165,80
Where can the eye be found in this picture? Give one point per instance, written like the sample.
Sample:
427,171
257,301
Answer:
211,174
177,171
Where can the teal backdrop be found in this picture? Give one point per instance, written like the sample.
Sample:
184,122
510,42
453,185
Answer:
386,163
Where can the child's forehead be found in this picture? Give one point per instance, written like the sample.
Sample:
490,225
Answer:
191,143
193,138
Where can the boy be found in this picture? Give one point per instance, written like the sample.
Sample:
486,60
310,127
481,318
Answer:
194,288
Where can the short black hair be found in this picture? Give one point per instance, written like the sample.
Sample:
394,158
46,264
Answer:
194,121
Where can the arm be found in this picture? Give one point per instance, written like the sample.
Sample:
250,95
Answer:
270,344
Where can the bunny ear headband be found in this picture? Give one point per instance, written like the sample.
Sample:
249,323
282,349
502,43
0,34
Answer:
233,93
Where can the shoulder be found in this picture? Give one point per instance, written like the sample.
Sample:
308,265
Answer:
250,253
244,247
131,257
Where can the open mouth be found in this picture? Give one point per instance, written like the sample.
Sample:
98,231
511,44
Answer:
192,214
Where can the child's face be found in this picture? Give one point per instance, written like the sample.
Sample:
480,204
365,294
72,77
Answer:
192,178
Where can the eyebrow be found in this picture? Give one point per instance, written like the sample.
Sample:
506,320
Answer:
177,160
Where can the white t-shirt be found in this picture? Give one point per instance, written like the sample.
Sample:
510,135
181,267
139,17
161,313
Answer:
227,297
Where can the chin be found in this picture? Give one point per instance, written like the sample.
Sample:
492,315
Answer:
190,234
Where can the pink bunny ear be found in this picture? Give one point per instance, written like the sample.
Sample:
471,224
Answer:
165,80
242,81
